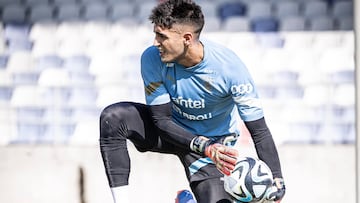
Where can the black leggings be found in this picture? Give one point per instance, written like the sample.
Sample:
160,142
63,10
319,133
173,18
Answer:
133,121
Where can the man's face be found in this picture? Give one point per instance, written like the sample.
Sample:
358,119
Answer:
170,42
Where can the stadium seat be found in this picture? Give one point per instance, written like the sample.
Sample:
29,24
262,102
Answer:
286,8
212,24
54,78
120,11
209,8
105,63
41,12
84,97
93,30
322,23
6,89
344,95
15,31
236,24
342,9
71,47
76,63
292,23
46,46
95,11
33,94
4,58
14,13
4,3
46,61
42,31
68,12
19,45
111,94
330,134
85,133
60,2
344,23
35,2
259,9
20,62
312,9
230,9
264,25
17,37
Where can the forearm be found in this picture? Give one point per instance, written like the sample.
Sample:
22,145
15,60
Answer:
265,146
171,131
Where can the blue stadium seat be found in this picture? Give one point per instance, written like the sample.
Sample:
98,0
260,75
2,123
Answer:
14,13
316,8
48,61
121,11
292,23
41,12
77,64
342,9
229,9
264,25
4,3
344,23
286,8
322,23
36,2
95,11
68,12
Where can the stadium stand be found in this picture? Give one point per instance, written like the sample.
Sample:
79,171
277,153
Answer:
62,61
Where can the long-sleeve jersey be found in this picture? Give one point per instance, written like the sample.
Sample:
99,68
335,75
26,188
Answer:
206,98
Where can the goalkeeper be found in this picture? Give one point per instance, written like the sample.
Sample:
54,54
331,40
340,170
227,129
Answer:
195,90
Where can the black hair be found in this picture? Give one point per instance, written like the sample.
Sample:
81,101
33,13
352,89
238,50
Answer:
171,12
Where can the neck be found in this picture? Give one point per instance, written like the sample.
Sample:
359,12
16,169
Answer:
193,55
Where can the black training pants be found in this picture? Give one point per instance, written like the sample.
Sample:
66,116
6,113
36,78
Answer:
124,121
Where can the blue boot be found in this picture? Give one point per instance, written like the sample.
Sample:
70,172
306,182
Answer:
184,196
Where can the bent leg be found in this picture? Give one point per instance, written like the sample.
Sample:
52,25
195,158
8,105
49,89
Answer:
119,122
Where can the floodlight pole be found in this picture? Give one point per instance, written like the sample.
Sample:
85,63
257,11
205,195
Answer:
357,94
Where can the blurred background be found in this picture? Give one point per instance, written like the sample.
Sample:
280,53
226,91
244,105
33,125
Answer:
63,61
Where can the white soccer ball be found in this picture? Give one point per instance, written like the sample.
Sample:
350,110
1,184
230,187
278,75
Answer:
249,181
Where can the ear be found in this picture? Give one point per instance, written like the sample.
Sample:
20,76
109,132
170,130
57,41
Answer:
188,37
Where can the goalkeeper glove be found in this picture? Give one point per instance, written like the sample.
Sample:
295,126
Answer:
224,157
277,191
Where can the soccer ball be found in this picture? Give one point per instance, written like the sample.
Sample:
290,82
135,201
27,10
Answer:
249,181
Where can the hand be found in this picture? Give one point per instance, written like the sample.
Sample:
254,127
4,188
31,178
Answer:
277,191
224,157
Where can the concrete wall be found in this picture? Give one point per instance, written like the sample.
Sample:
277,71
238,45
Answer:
71,174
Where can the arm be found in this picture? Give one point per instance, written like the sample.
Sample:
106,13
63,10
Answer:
264,144
174,133
266,150
223,157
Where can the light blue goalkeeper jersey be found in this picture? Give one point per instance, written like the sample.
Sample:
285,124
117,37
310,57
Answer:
207,97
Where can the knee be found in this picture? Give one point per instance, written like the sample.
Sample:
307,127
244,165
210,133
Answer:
112,120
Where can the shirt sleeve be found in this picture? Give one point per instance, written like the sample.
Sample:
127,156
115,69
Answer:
152,71
244,94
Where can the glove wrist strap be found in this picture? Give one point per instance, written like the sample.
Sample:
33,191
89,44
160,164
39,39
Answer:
198,144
